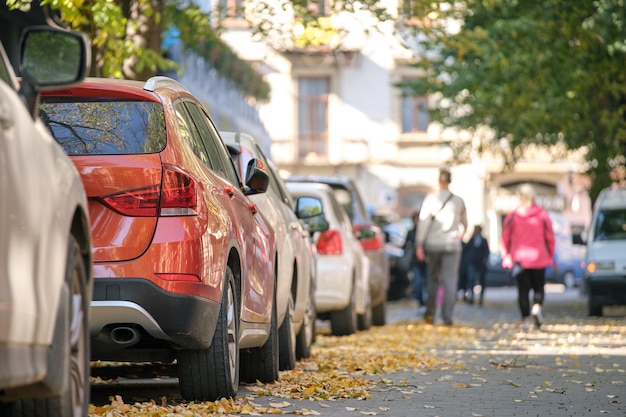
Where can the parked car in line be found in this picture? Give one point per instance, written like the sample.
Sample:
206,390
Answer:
604,278
294,296
399,278
370,236
45,259
184,263
343,291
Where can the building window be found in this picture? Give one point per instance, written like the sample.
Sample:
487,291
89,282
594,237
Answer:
231,9
414,113
313,116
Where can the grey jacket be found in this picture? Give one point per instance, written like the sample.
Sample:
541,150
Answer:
441,229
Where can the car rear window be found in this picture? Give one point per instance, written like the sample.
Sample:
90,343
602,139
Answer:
105,127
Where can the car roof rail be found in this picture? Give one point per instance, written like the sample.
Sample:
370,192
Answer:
161,81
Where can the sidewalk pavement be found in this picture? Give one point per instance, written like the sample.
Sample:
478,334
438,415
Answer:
573,366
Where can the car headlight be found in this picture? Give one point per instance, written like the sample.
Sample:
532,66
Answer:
600,266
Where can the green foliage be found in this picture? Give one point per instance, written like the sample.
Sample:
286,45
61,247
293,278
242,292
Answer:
198,36
126,38
546,72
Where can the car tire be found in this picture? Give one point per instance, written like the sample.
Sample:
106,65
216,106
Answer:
306,335
212,373
261,363
593,308
287,341
70,347
379,313
345,321
364,321
569,280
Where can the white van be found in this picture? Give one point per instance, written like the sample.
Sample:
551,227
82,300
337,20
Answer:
605,262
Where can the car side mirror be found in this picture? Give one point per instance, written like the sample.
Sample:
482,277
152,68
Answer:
50,58
257,179
310,211
365,233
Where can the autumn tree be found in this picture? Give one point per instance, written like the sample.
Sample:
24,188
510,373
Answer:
547,72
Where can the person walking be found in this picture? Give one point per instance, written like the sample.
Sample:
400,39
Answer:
477,249
418,269
527,248
442,222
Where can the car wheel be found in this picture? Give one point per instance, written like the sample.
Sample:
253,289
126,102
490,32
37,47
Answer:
287,340
344,322
594,309
70,348
379,314
569,280
261,363
306,335
212,373
365,320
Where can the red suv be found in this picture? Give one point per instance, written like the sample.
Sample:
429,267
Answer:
179,250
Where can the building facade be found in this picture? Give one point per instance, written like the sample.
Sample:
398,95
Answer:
336,109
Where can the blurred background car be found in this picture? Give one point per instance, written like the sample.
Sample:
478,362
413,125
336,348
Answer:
569,257
342,293
184,263
369,234
296,307
605,261
496,275
45,259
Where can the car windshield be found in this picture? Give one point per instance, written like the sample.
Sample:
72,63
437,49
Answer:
105,127
611,225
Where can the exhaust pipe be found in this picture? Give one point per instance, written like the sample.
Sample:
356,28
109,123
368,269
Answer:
125,336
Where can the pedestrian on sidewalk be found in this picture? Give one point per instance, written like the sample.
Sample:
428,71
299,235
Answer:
477,249
442,222
417,269
527,248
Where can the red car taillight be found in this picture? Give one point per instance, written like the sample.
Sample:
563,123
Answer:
329,243
178,197
373,243
179,194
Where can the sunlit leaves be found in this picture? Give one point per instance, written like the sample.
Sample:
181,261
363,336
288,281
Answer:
534,72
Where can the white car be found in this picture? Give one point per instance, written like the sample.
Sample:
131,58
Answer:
294,295
605,261
45,258
343,292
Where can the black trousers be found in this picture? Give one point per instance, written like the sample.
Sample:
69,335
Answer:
528,279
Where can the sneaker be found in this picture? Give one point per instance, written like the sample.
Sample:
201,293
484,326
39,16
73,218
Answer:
525,325
536,313
429,319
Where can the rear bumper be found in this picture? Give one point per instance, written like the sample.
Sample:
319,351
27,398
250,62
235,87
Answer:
334,284
183,321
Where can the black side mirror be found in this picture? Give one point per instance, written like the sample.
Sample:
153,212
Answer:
257,179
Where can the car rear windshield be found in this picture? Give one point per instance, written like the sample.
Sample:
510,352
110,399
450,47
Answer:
611,225
105,127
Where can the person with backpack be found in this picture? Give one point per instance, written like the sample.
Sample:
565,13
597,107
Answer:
527,248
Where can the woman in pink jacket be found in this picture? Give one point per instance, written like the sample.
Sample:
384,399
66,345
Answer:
527,248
